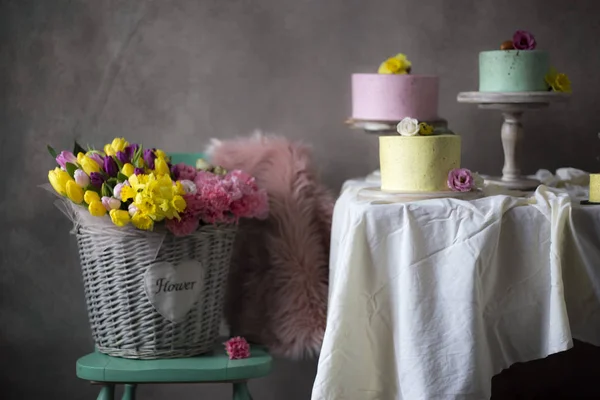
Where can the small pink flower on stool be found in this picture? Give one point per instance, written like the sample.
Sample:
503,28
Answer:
460,180
237,348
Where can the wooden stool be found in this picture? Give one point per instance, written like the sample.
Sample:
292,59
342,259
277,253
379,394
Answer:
213,367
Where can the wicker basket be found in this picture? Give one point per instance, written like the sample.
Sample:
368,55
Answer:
123,321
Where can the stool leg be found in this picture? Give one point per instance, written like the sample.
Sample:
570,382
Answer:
107,392
129,392
241,392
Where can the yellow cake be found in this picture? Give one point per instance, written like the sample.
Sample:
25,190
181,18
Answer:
594,188
417,163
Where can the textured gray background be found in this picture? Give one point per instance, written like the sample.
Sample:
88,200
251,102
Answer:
175,73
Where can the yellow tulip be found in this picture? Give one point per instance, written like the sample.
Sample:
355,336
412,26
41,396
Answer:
108,150
142,221
160,154
96,208
128,170
88,165
80,156
119,217
74,192
58,179
119,144
161,167
89,196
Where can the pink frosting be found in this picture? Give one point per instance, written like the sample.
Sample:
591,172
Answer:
381,97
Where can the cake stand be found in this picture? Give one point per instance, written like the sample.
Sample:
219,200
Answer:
512,106
386,128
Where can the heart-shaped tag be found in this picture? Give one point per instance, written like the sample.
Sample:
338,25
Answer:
173,290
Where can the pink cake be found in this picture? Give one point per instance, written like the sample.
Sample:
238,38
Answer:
392,97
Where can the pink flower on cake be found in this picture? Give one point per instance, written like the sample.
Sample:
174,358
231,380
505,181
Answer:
460,180
523,40
237,348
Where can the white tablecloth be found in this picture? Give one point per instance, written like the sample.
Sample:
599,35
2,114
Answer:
431,299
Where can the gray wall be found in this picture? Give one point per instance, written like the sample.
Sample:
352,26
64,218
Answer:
175,73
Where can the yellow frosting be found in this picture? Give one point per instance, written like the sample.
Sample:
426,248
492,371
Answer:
594,188
417,163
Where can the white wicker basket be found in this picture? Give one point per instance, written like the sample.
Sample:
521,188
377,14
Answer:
123,321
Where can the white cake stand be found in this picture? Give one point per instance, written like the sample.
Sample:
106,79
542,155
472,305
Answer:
512,106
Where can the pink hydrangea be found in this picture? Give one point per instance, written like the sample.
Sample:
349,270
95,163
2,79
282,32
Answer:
185,172
237,348
186,226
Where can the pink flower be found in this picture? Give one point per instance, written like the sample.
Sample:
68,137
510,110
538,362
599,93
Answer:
237,348
253,205
460,180
184,172
186,226
65,157
523,40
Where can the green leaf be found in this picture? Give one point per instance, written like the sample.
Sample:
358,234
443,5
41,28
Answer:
71,168
106,190
119,163
121,177
112,181
52,151
137,155
78,149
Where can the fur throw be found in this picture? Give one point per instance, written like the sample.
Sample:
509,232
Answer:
278,286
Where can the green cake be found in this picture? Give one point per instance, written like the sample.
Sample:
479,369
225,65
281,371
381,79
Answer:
519,67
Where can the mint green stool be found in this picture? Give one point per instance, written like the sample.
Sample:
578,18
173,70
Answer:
214,367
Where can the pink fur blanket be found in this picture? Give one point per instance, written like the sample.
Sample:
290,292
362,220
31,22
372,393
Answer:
277,293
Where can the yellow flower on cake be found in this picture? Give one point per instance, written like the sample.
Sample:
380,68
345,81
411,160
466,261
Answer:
74,192
558,82
119,217
425,129
58,179
118,144
398,65
96,208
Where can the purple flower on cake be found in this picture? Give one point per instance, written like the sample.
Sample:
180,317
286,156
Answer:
523,40
408,127
460,180
65,157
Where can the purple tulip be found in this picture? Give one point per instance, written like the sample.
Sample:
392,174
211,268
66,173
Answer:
174,172
65,157
98,158
523,40
126,155
138,171
97,179
460,180
110,166
149,158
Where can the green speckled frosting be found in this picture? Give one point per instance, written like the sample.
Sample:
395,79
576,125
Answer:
513,70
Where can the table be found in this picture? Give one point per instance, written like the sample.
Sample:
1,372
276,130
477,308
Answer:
431,299
213,367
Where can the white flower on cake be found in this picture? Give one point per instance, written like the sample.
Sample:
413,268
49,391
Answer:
408,127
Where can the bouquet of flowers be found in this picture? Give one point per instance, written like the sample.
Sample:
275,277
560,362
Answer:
141,187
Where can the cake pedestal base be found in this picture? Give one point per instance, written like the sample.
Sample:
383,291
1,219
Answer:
512,106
